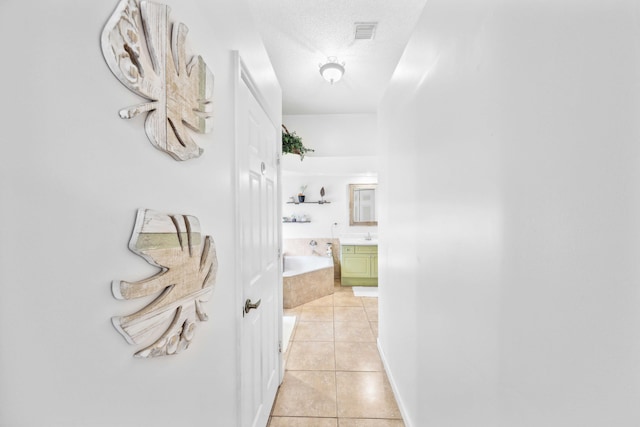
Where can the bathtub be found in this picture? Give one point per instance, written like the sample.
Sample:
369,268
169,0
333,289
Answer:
306,278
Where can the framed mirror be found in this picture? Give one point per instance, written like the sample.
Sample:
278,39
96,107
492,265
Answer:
362,204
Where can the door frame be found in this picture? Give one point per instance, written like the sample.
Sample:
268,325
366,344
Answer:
241,74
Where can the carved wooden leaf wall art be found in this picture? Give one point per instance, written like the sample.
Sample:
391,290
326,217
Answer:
147,53
188,270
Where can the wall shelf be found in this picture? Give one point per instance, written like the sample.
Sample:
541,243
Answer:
295,222
313,203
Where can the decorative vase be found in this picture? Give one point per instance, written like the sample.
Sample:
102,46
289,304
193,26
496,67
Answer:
301,198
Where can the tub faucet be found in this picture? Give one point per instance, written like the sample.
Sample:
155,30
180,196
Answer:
368,236
313,245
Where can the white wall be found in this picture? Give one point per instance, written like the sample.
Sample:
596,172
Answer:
510,238
345,153
323,217
72,175
335,135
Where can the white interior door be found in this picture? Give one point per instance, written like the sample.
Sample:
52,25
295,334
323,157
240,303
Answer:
260,264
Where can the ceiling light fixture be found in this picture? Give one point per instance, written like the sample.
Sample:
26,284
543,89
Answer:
332,70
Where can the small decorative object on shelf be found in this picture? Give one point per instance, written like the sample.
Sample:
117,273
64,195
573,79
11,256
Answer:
321,195
296,219
292,143
301,194
319,202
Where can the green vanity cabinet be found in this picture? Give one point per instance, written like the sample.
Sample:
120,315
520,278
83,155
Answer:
359,265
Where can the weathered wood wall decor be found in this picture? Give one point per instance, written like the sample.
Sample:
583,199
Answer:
147,53
189,267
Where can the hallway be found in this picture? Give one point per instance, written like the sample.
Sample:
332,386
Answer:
334,376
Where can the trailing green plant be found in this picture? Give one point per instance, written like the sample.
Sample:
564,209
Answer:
292,143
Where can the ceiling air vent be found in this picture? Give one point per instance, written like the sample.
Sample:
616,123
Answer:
365,30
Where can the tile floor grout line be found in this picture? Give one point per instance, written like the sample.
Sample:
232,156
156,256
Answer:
336,371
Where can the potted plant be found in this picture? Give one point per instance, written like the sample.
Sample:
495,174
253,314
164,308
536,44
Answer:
301,194
292,143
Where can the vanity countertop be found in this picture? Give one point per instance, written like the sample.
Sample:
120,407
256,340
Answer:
358,241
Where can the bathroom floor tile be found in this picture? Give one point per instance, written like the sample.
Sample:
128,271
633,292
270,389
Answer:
370,302
307,394
372,313
353,332
350,314
362,422
324,301
365,395
311,356
303,422
345,299
312,313
374,328
338,288
358,356
334,375
314,331
285,356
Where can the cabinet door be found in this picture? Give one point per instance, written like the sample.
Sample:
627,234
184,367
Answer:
374,266
368,249
356,265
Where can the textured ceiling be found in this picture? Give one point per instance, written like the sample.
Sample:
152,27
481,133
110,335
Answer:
300,34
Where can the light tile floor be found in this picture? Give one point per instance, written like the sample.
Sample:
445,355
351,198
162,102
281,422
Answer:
333,372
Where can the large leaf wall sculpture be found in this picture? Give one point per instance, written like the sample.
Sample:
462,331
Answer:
147,53
188,266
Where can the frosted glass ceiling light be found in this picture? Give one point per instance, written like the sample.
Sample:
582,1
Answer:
332,70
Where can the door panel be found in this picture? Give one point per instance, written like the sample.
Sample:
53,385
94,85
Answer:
356,265
259,259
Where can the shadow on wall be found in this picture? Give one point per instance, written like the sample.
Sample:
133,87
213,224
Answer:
302,247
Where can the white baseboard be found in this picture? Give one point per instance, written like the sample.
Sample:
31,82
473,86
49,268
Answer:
396,393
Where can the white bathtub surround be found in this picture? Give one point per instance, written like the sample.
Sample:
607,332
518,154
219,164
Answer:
296,265
306,278
301,246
